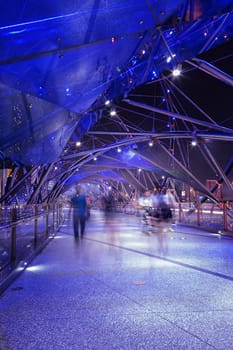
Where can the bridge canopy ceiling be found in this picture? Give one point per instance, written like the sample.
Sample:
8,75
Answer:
62,62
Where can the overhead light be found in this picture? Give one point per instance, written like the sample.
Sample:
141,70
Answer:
169,58
151,143
194,139
194,142
176,72
78,143
113,113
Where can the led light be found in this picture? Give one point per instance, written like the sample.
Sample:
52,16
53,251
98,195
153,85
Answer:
176,72
194,143
78,144
169,58
112,113
151,143
68,93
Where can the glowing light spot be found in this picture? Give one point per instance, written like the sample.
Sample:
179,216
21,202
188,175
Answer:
113,113
194,143
151,143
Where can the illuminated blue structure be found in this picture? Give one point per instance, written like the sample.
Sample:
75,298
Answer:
62,64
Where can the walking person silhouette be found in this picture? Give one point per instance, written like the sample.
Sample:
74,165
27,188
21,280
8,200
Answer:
79,205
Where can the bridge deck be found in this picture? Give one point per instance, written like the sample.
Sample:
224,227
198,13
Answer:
123,287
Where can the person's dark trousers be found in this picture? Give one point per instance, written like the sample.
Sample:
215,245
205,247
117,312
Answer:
82,225
76,223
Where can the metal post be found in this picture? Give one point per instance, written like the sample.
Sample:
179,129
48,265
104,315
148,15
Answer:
180,212
47,220
35,223
13,234
58,214
198,210
225,216
53,206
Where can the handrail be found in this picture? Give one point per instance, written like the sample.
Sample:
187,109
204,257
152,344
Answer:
15,245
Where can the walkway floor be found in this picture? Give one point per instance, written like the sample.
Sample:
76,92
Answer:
122,288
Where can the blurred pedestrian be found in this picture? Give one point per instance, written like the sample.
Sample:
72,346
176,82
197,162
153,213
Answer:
79,204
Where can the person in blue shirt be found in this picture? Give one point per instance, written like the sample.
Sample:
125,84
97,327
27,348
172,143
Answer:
79,204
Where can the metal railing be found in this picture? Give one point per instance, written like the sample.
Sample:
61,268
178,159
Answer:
23,231
207,216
